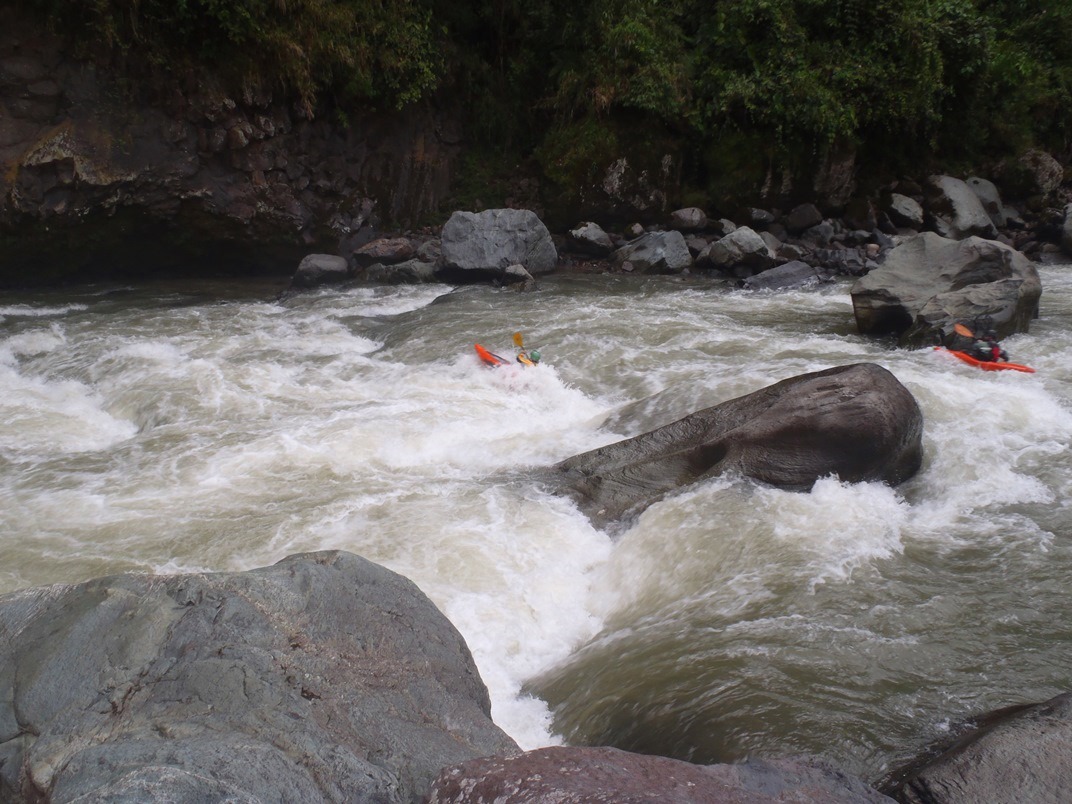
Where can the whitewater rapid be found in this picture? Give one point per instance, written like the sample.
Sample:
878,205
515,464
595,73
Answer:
180,427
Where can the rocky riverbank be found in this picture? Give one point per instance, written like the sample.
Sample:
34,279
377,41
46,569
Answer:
328,678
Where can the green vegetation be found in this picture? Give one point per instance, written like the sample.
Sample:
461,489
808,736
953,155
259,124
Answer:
903,81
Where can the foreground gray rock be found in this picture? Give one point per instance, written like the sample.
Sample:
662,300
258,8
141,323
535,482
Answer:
322,678
479,246
1023,753
857,422
609,775
929,283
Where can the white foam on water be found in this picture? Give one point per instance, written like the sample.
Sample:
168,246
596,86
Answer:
39,414
222,437
38,311
837,527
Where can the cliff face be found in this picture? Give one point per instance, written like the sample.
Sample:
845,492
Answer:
92,174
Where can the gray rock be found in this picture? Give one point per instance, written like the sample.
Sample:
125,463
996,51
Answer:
802,217
742,252
689,219
656,253
410,272
1033,173
590,238
477,246
989,197
722,227
758,218
955,211
774,245
928,283
568,774
794,274
1023,753
384,250
320,269
516,277
904,212
321,678
857,422
821,234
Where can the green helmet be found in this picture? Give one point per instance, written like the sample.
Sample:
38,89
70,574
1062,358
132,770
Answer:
534,356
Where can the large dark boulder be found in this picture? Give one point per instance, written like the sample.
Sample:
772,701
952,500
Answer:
928,283
322,678
1022,753
856,422
609,775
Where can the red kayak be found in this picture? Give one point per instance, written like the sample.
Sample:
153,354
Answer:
987,365
490,358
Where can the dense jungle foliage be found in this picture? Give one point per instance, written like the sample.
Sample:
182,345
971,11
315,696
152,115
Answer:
562,81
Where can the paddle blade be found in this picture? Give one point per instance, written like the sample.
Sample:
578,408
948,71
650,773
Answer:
519,342
960,329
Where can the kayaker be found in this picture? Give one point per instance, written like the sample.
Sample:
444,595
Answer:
987,348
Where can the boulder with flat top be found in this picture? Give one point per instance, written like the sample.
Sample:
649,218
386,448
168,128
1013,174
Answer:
929,283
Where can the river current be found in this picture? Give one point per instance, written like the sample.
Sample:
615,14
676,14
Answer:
181,427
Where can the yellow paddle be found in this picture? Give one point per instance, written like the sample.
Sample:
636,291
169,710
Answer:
960,329
522,358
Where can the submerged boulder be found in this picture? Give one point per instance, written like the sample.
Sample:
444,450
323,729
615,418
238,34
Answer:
857,422
929,283
1022,753
566,774
321,678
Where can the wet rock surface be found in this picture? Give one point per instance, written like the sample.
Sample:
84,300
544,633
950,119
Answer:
321,678
857,422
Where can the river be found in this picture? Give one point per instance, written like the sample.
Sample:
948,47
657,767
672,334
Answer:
181,427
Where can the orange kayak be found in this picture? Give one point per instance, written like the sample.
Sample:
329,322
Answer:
490,358
986,365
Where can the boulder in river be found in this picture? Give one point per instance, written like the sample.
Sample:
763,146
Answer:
656,253
320,269
741,253
928,283
955,211
321,678
857,422
565,774
479,246
789,275
1022,753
